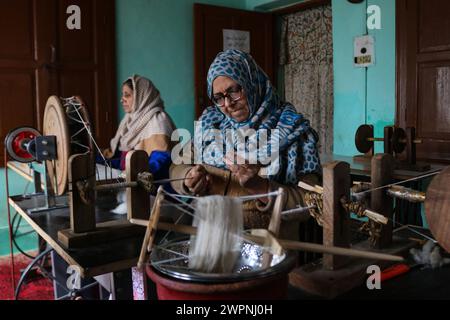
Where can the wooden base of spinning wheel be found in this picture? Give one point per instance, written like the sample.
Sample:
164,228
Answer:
84,230
315,279
366,158
417,167
104,232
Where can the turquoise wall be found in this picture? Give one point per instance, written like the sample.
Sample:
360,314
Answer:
350,93
155,39
17,185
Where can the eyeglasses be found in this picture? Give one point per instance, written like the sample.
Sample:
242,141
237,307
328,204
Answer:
233,94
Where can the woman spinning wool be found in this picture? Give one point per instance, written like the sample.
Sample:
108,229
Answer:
244,99
146,126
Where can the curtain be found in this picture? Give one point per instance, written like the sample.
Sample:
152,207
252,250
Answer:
306,53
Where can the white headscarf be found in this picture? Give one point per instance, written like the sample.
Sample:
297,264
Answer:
136,125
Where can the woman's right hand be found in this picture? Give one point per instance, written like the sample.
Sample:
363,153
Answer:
197,180
107,153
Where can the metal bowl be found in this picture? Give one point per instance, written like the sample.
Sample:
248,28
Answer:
248,266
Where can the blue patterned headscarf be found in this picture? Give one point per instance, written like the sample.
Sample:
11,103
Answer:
297,140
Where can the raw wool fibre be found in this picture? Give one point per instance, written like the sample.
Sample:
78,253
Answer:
217,245
429,255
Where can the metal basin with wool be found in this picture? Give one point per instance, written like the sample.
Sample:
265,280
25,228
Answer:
250,279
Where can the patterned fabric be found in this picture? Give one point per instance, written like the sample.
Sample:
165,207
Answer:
141,122
297,140
138,279
307,56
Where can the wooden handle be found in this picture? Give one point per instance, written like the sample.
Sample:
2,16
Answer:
286,244
308,187
275,220
415,141
151,229
372,215
312,247
375,139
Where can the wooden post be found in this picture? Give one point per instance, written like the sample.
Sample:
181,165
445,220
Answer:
336,227
138,200
410,145
275,221
82,215
381,175
150,233
388,132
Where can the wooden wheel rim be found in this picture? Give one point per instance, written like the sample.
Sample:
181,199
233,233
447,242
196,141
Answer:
363,133
437,208
55,124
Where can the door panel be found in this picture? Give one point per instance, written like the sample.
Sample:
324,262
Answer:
208,29
434,26
77,45
16,29
86,61
16,100
434,101
423,74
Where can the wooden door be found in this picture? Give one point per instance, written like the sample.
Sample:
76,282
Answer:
423,74
26,31
40,56
208,29
86,62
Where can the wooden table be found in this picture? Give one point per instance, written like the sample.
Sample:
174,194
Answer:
92,261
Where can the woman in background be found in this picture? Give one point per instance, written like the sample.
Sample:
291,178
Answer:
145,126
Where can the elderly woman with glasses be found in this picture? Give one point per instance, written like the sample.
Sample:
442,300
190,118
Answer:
245,103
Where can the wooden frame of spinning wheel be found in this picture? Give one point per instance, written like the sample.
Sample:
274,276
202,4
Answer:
268,237
69,168
84,230
335,275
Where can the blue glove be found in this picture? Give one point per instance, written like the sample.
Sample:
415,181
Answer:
159,165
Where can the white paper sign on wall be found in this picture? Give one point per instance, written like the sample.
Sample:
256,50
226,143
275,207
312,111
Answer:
364,51
236,39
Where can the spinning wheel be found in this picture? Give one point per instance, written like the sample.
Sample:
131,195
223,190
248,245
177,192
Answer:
67,119
17,144
437,207
364,138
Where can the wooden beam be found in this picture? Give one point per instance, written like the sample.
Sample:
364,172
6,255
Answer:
336,221
381,175
138,200
82,215
257,237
